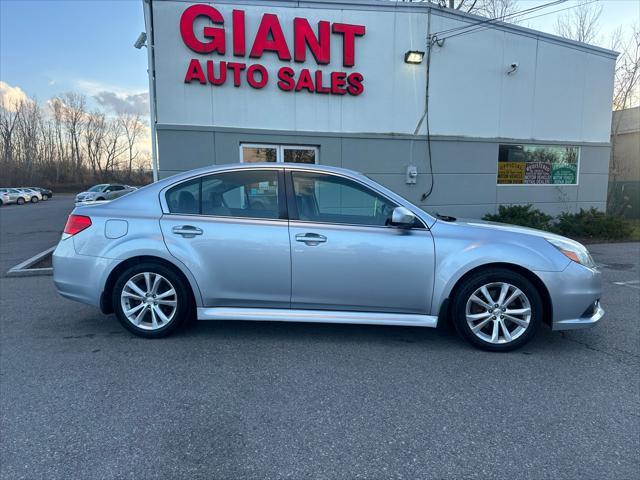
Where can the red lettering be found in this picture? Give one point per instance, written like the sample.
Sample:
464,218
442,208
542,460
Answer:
251,79
237,69
304,36
239,47
355,87
286,81
349,33
270,38
338,82
194,70
211,73
319,87
216,34
305,81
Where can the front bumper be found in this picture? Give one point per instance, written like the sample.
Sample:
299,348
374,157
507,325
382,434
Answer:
597,312
575,296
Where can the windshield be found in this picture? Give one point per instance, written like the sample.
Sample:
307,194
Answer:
97,188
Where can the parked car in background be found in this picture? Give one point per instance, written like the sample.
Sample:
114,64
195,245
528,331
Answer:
104,191
4,199
16,195
46,193
310,243
34,195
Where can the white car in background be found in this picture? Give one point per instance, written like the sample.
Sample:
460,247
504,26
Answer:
34,195
104,191
16,195
4,199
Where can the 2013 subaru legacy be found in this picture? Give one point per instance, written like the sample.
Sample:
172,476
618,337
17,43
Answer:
306,243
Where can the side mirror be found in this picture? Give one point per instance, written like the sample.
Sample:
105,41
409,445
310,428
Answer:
402,217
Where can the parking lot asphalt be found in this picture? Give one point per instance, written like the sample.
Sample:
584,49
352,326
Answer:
82,398
28,229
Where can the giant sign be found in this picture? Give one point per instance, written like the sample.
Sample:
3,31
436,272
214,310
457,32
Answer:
269,39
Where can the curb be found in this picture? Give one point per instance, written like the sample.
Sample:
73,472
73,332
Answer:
23,270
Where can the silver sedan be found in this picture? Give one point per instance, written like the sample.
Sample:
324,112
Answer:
307,243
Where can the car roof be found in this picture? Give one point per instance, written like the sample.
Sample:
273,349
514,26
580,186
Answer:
249,166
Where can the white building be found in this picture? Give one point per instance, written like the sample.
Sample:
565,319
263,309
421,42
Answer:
514,115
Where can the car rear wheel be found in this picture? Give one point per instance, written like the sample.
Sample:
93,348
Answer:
20,201
497,310
150,300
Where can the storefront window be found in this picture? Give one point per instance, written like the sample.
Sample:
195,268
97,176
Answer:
257,153
538,164
252,153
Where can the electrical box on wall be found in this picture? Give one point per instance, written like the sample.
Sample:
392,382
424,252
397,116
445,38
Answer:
412,174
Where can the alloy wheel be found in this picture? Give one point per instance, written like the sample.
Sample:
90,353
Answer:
498,313
149,301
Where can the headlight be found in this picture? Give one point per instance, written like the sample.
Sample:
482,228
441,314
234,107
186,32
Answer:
573,251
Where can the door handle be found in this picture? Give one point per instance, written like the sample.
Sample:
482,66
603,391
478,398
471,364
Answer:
311,238
187,231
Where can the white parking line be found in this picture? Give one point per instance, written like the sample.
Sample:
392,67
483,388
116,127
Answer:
630,284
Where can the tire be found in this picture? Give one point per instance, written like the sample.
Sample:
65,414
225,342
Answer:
99,198
510,314
151,324
45,198
20,201
1,203
34,199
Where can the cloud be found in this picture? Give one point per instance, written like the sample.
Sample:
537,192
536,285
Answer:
118,99
127,103
10,96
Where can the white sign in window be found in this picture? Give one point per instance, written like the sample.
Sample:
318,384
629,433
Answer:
253,152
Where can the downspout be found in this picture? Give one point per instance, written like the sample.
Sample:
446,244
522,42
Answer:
151,70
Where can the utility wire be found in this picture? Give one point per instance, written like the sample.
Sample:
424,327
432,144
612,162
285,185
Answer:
501,18
480,27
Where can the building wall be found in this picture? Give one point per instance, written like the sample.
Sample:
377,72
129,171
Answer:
465,170
560,93
625,126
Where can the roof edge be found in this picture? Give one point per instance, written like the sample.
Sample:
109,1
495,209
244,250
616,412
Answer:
390,5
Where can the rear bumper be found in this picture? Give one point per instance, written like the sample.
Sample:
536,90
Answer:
575,296
78,277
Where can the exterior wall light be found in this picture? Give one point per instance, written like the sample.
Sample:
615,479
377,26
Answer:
413,56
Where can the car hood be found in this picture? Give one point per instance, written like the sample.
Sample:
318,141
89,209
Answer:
505,227
87,193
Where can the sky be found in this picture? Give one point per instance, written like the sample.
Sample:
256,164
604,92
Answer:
48,47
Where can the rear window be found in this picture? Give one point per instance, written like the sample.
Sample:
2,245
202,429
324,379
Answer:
184,198
243,193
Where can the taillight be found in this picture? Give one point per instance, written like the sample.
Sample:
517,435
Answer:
76,224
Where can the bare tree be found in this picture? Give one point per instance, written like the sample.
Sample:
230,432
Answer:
133,128
93,133
497,8
487,8
626,94
113,145
9,115
626,91
74,113
581,23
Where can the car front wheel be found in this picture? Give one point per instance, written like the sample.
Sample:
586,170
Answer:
20,201
150,300
497,310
